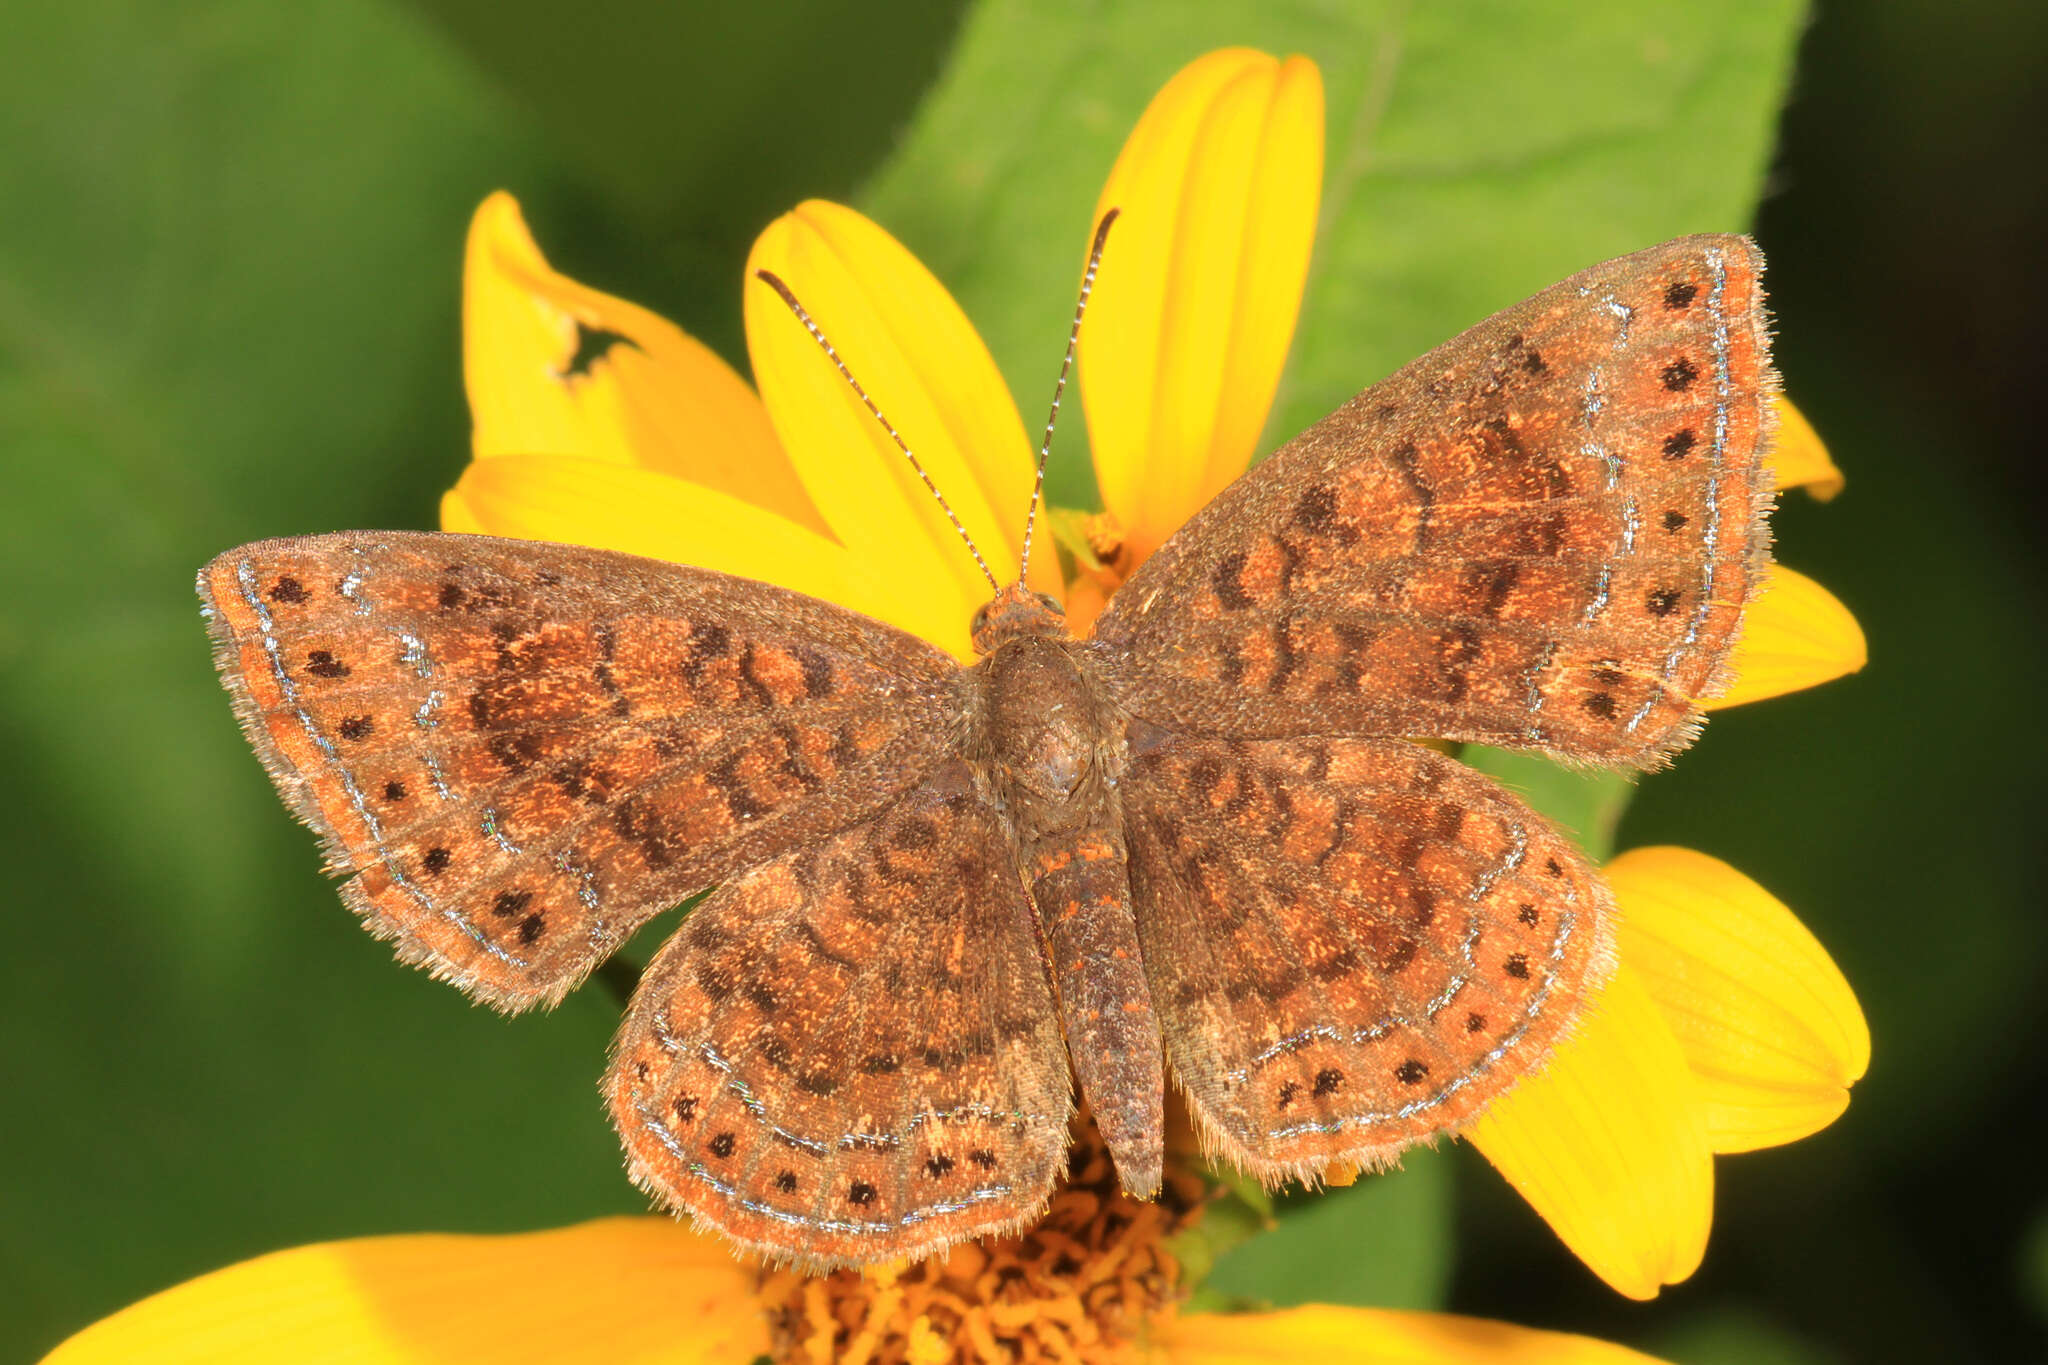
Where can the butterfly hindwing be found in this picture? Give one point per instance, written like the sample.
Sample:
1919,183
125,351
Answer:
520,751
1352,944
1540,534
851,1053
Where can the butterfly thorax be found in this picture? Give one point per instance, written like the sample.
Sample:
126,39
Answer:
1049,749
1047,740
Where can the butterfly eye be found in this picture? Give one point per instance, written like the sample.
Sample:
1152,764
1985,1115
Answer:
980,619
1049,602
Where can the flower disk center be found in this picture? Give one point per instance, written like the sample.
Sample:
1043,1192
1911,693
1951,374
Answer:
1084,1284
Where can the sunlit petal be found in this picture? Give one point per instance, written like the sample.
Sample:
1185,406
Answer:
1766,1020
621,1291
583,501
1801,460
1796,634
1608,1144
907,342
556,368
458,516
1190,324
1374,1336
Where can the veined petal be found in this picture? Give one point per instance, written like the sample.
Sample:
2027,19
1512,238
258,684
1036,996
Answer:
1766,1020
906,341
1201,283
556,368
1609,1145
615,1291
1801,460
1375,1336
1795,635
580,500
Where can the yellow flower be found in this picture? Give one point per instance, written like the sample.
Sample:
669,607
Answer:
1179,362
1094,1281
1726,1026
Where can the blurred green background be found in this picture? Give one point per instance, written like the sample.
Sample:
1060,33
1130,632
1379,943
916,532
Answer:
230,238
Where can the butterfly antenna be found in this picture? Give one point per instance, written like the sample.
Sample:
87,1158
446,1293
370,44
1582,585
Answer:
774,281
1060,388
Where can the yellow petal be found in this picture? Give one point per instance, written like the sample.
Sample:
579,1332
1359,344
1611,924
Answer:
657,398
911,348
618,1290
1768,1024
1374,1336
1607,1143
458,516
1201,283
1800,459
1796,634
584,501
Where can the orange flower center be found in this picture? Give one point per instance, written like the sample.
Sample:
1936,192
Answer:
1084,1284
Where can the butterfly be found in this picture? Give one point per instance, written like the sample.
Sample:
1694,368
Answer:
1198,843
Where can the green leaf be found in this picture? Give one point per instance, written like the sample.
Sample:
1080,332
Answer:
1586,802
1385,1242
1476,153
1239,1210
703,122
229,276
1736,1336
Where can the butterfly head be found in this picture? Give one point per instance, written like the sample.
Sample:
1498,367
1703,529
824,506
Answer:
1017,611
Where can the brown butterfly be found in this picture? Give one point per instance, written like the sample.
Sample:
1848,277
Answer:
1195,842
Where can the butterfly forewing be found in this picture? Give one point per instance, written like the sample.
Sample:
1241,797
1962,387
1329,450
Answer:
851,1053
1540,534
1352,943
521,751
